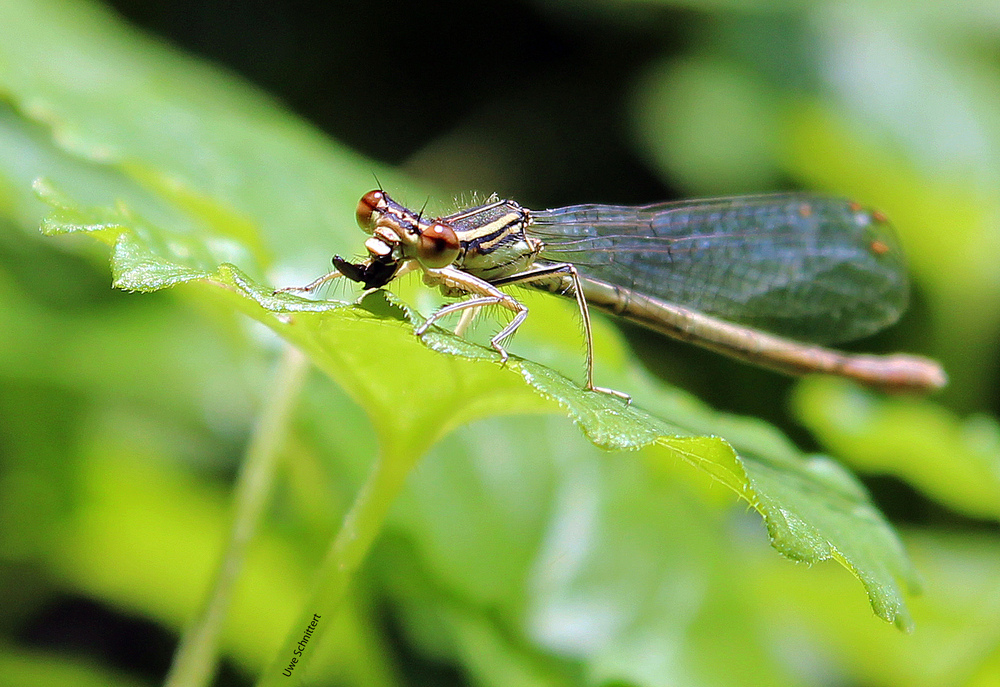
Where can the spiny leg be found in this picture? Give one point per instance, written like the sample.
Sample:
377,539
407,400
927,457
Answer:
311,286
509,330
474,303
454,307
487,294
547,272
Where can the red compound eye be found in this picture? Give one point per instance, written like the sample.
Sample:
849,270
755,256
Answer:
437,246
370,205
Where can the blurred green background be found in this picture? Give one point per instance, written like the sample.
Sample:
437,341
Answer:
518,553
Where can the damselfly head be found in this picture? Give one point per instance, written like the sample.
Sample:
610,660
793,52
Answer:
402,233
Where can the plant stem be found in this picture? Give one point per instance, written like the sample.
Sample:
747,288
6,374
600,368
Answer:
361,526
196,657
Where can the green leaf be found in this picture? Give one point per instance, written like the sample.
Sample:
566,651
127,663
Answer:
217,187
954,461
812,511
957,615
579,561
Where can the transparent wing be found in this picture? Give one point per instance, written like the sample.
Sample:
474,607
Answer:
810,267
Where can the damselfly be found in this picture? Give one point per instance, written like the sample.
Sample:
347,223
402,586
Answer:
735,275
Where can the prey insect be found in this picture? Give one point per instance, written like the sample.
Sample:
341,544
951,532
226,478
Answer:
765,279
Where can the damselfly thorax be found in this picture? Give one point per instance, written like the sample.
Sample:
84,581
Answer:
764,279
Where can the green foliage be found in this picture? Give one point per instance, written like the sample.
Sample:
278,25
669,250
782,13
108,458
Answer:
517,548
912,439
